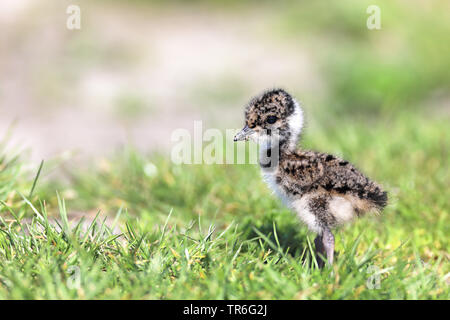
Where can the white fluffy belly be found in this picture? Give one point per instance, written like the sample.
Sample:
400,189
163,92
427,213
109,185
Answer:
341,209
270,178
301,208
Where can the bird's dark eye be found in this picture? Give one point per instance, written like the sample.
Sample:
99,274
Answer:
271,119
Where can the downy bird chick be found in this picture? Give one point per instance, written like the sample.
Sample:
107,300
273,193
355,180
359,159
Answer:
324,191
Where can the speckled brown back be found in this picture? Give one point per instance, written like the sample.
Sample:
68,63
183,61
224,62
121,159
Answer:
304,172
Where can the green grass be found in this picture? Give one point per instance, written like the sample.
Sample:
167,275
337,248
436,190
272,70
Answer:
215,232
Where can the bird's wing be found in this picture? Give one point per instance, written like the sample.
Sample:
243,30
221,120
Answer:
311,170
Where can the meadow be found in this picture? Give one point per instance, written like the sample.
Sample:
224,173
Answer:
216,231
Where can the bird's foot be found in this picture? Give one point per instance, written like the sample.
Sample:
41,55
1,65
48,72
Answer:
324,248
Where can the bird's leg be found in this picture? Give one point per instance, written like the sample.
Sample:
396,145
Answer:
320,251
328,244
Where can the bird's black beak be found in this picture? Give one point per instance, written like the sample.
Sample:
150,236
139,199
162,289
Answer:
243,134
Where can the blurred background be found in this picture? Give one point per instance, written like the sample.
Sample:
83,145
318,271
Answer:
137,70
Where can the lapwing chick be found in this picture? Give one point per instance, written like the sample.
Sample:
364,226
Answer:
323,190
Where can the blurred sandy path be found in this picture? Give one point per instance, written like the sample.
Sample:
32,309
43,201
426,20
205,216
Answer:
177,65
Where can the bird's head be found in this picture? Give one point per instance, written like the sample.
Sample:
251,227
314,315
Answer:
274,115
